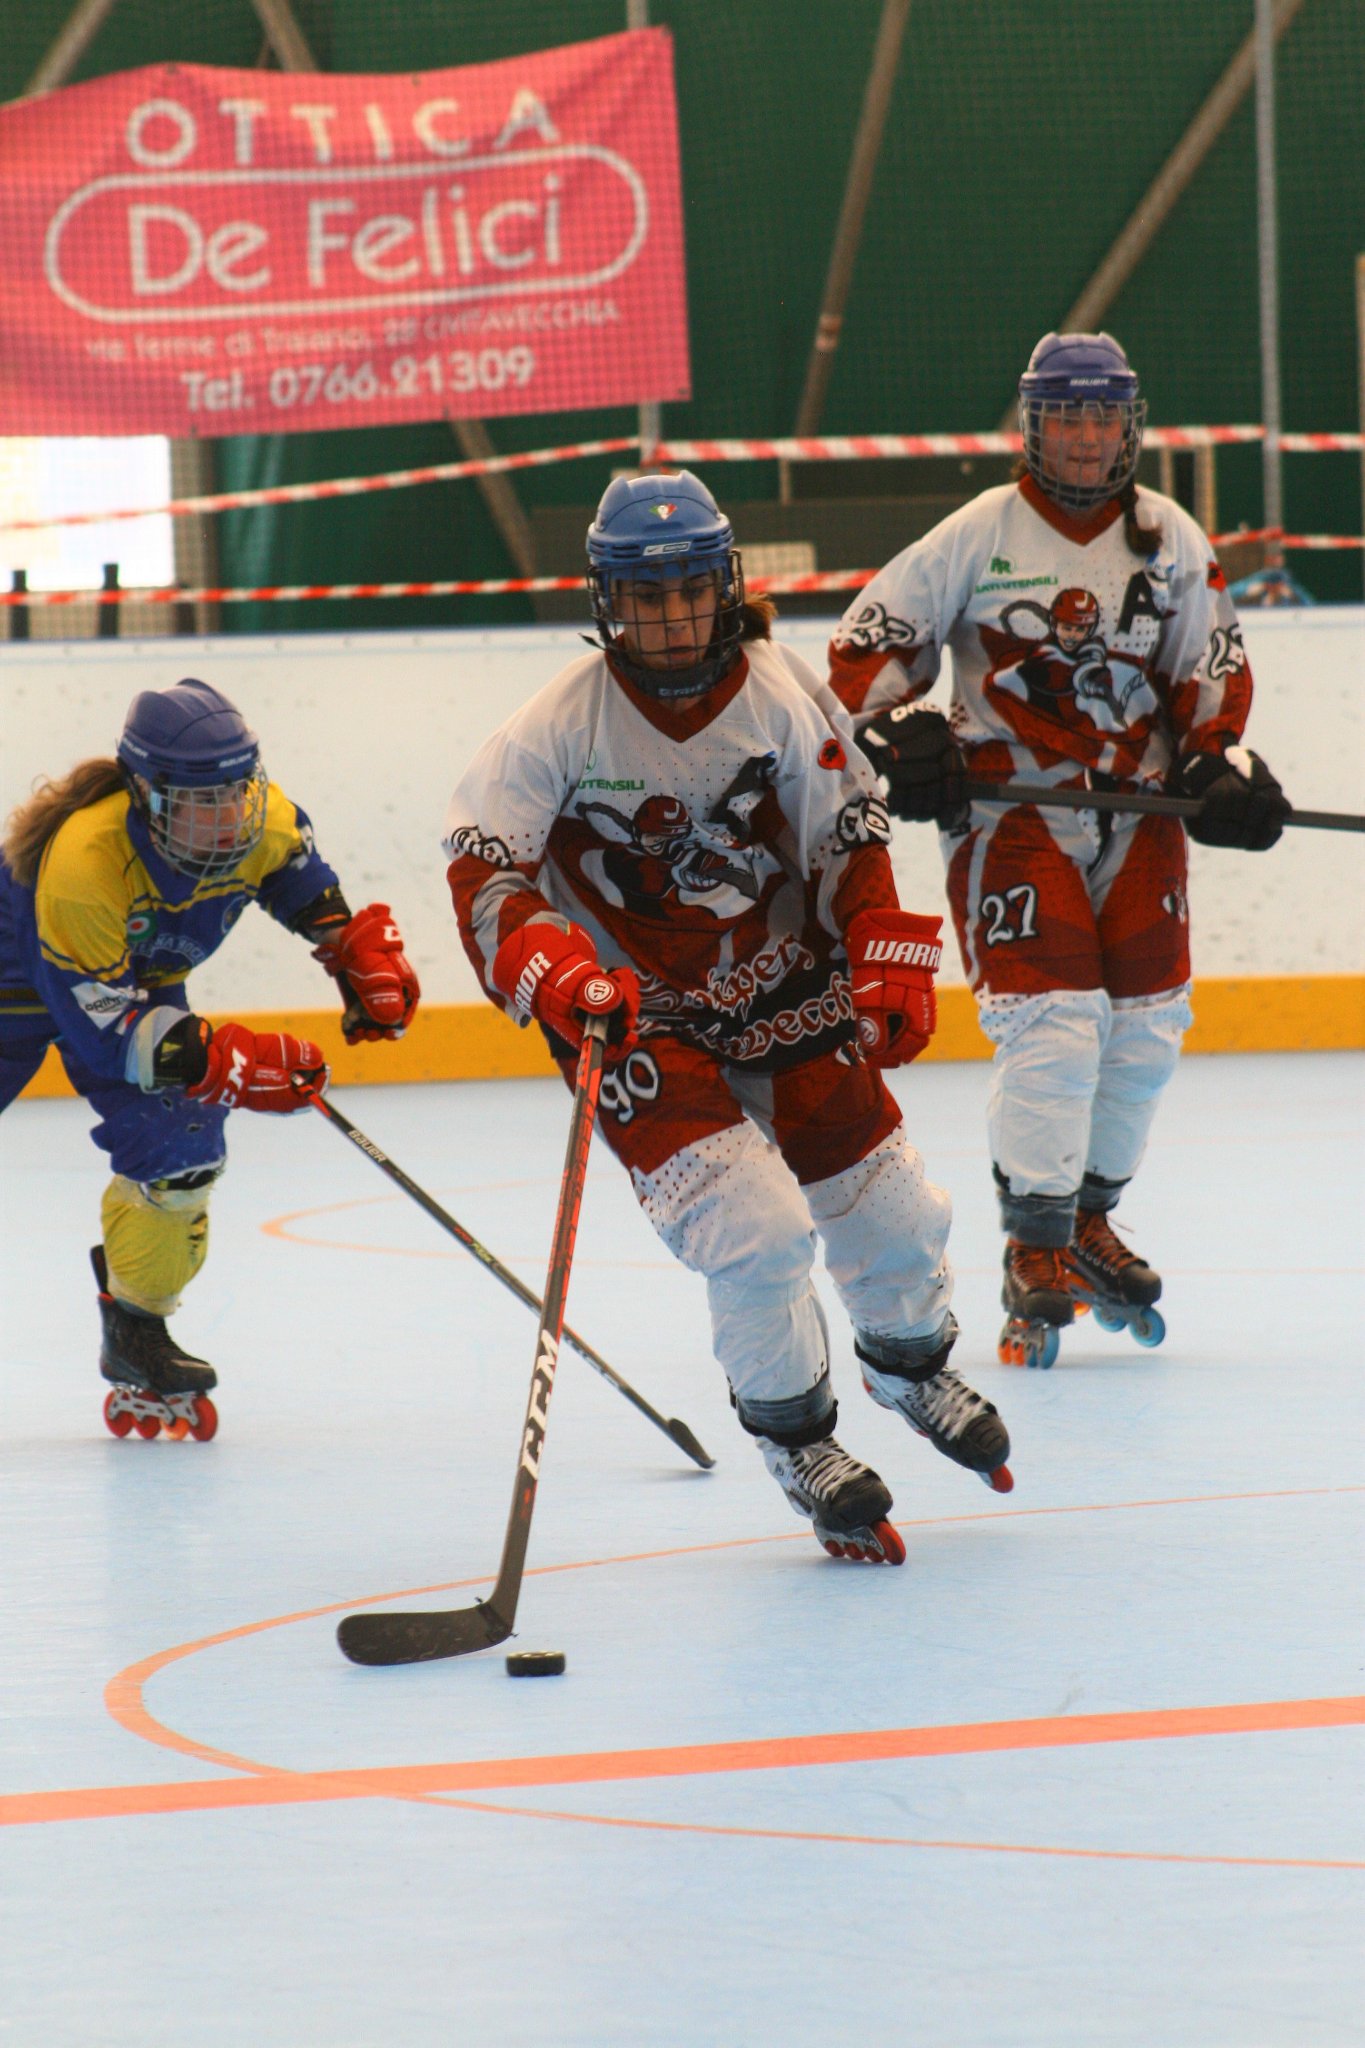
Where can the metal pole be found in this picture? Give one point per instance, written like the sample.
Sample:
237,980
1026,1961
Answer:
1360,353
650,413
69,46
1154,208
284,35
1272,487
862,165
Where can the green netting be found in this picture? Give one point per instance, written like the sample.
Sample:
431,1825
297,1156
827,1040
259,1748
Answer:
1022,133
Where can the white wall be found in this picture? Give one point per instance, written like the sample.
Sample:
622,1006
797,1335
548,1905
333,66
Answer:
369,731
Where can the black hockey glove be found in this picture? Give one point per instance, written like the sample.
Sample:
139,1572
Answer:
1244,805
925,770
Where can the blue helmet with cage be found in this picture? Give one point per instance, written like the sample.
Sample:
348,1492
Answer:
194,769
666,582
1077,390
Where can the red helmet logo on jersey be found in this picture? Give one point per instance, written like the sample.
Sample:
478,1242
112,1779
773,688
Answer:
832,755
661,817
1077,608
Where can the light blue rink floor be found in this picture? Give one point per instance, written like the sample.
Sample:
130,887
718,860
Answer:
1086,1770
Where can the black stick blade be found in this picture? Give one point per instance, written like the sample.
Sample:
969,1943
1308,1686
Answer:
419,1638
684,1439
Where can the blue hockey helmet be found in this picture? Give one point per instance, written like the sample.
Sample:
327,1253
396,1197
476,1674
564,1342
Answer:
194,768
1073,380
667,531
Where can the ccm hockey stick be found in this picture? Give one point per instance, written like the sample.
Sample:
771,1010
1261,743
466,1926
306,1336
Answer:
455,1631
1135,800
671,1426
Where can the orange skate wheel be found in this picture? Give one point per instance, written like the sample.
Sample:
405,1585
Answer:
178,1428
148,1426
119,1423
205,1424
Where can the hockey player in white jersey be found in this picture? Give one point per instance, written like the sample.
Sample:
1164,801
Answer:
678,831
1094,644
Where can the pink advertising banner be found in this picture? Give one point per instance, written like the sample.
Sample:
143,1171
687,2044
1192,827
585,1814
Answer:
189,250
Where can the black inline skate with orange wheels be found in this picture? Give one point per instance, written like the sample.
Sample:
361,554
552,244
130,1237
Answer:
156,1385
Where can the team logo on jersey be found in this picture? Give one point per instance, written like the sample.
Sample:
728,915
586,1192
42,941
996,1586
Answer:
480,846
875,627
1055,660
141,924
864,822
832,755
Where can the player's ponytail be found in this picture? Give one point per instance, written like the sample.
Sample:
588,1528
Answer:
1143,540
31,826
756,618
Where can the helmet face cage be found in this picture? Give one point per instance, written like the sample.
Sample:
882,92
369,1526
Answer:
621,596
1071,465
205,829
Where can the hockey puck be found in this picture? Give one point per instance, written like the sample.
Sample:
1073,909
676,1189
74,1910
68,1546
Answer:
535,1664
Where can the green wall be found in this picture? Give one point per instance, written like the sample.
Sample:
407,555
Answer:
1019,140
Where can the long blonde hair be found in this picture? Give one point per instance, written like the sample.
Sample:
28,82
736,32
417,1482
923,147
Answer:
31,826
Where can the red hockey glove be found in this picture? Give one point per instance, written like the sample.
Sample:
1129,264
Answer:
551,975
259,1070
893,957
366,957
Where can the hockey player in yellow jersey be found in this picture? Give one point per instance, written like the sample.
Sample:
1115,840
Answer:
115,882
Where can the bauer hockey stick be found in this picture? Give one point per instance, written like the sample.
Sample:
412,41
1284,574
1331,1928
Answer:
455,1631
1135,800
671,1426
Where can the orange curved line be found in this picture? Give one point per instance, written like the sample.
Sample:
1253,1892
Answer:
124,1695
688,1827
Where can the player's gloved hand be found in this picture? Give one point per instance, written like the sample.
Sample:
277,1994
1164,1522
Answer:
551,975
893,956
1244,805
925,769
366,958
267,1070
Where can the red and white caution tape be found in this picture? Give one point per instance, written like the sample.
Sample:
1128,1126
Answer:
863,447
338,487
516,586
827,448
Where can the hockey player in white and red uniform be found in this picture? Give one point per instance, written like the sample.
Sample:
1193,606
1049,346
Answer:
679,831
1094,645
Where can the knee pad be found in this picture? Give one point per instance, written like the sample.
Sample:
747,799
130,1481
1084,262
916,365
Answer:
156,1237
1046,1070
728,1207
885,1227
1139,1059
1144,1043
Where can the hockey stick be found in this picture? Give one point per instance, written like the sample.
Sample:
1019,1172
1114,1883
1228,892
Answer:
1135,800
455,1631
672,1427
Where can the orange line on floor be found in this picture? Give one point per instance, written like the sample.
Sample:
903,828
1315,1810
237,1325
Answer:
770,1753
690,1827
124,1694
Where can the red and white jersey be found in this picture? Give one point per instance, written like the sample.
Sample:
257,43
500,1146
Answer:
1069,651
719,847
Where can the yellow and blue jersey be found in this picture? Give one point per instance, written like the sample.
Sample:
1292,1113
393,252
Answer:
109,926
